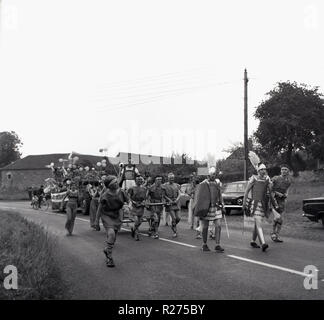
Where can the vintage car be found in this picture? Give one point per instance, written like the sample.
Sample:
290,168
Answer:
233,194
314,209
56,199
184,197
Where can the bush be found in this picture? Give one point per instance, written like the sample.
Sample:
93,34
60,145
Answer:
31,249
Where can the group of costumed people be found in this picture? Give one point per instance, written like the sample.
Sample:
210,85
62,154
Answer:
127,194
262,197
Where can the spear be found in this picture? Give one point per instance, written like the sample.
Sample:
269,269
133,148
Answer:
226,226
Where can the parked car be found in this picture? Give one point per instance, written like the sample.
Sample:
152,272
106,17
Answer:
56,199
184,198
314,209
233,194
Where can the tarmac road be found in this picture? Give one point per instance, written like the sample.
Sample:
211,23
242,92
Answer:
176,269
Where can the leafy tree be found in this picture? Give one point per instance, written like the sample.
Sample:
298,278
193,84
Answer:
291,118
9,147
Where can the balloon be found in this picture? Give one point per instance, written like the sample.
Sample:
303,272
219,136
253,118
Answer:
93,169
70,165
52,164
104,165
86,168
98,164
60,160
74,166
81,169
68,182
104,161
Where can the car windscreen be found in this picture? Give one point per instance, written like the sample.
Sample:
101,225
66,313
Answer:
235,187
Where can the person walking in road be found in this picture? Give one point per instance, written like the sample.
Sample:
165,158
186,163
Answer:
110,210
94,193
172,195
280,186
127,175
71,208
208,206
137,195
155,194
256,203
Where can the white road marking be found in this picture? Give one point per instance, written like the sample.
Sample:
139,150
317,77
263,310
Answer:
273,266
167,240
177,242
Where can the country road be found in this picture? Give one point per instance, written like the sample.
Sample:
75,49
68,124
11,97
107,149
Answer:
176,269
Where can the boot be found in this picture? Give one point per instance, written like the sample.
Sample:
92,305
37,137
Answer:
264,247
205,248
218,248
109,260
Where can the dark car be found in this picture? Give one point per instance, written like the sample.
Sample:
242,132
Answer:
314,209
233,194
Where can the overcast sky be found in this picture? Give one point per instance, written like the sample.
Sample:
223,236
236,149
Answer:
148,76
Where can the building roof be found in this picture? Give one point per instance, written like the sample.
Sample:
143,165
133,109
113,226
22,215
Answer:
40,161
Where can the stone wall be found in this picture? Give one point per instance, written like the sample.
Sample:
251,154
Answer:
14,183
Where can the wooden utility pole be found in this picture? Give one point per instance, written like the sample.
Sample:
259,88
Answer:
246,147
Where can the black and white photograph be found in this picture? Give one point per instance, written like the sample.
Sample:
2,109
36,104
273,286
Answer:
161,151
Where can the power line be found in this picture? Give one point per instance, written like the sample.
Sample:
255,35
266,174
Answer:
150,78
153,86
168,88
157,97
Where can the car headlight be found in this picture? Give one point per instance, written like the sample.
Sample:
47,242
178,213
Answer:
239,201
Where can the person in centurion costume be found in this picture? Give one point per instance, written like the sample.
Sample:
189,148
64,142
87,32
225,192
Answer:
172,195
155,194
208,206
280,186
137,195
111,205
127,176
256,200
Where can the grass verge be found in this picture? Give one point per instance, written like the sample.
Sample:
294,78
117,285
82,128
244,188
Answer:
31,249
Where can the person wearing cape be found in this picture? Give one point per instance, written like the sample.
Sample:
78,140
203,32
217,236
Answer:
208,206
